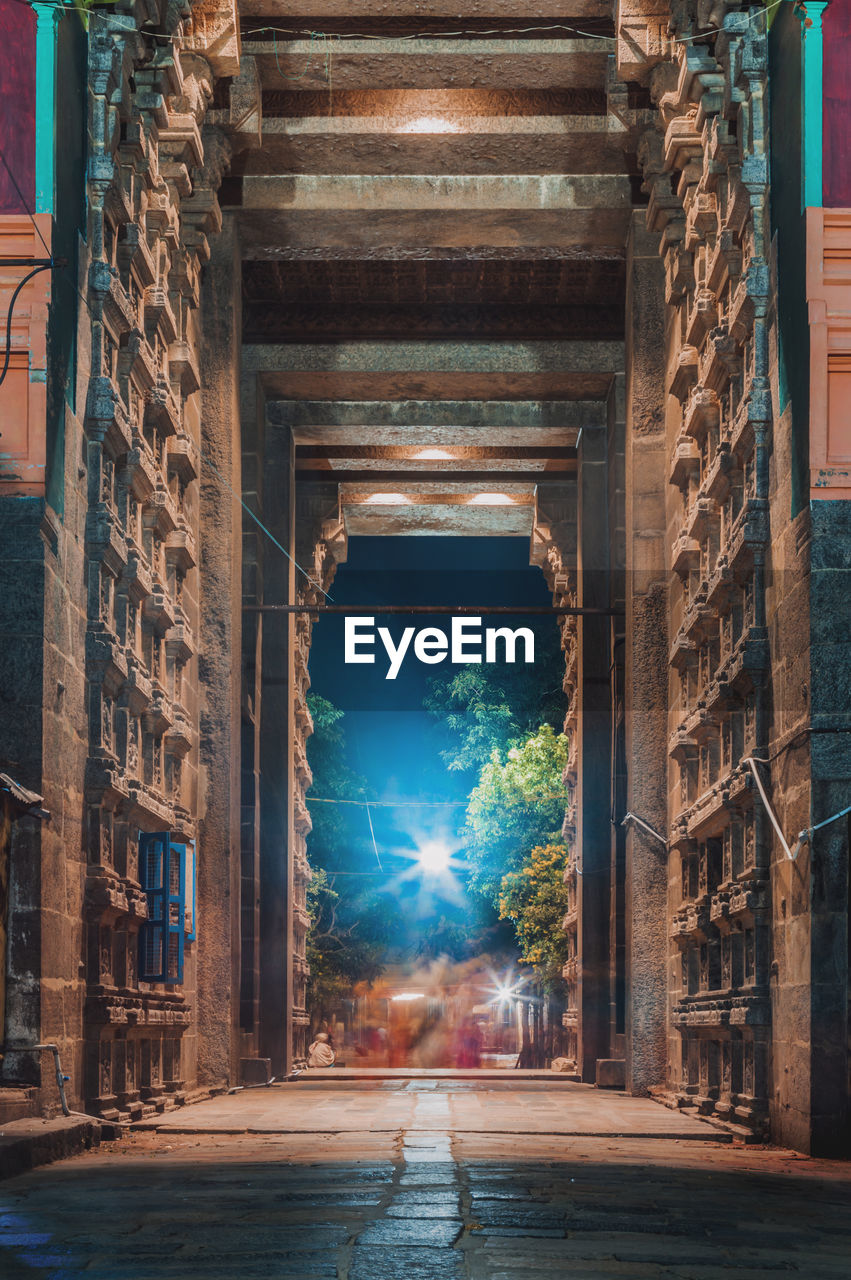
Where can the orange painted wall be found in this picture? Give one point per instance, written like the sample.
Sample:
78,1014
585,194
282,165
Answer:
829,303
23,393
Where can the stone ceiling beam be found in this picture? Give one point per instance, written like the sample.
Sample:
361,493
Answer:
373,10
434,370
251,225
443,514
409,425
430,63
308,455
322,384
440,357
315,236
424,415
505,474
413,438
484,145
432,193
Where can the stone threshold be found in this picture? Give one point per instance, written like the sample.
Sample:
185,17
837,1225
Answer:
738,1132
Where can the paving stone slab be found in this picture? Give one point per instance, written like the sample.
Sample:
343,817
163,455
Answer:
434,1233
405,1264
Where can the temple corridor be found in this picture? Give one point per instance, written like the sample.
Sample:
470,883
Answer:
572,273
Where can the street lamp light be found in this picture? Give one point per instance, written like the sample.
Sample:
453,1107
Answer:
434,857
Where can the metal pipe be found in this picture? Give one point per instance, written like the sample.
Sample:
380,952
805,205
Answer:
60,1078
61,1081
633,817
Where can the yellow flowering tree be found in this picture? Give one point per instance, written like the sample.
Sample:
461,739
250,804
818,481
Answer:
534,898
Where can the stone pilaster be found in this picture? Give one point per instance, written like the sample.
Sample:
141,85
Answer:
278,756
219,663
593,836
553,549
646,665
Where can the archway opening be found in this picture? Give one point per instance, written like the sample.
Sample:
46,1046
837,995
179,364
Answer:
437,798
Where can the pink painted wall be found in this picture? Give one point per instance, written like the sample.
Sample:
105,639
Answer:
837,104
17,103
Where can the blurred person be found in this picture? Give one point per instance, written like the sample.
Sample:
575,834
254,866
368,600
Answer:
321,1052
469,1045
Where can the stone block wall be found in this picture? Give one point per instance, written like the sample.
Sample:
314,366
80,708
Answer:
706,174
757,981
102,659
152,205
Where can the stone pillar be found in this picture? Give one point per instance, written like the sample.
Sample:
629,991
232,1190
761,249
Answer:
594,762
825,863
553,549
616,432
253,544
277,756
218,665
646,692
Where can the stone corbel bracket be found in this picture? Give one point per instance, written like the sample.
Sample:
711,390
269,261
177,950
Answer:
642,37
242,119
212,30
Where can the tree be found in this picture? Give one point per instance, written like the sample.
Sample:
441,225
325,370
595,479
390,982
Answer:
535,898
488,707
518,803
349,929
517,861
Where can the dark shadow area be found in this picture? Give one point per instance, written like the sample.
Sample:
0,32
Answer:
656,1214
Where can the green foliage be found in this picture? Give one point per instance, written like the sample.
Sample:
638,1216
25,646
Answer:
535,899
350,918
518,803
487,707
339,831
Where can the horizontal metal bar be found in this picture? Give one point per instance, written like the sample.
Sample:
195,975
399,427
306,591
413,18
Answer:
33,262
465,610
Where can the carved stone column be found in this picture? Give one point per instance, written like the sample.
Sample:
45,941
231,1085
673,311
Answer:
278,761
553,549
219,661
593,836
646,691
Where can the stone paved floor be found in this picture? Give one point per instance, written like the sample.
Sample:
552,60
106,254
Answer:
476,1183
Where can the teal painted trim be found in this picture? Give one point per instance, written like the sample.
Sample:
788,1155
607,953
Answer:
812,109
47,20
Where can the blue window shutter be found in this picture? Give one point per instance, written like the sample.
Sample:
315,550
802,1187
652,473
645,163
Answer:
176,911
191,899
153,876
162,873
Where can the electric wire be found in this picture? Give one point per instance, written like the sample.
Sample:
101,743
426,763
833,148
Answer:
21,284
372,833
418,804
259,522
84,300
163,38
29,212
805,835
